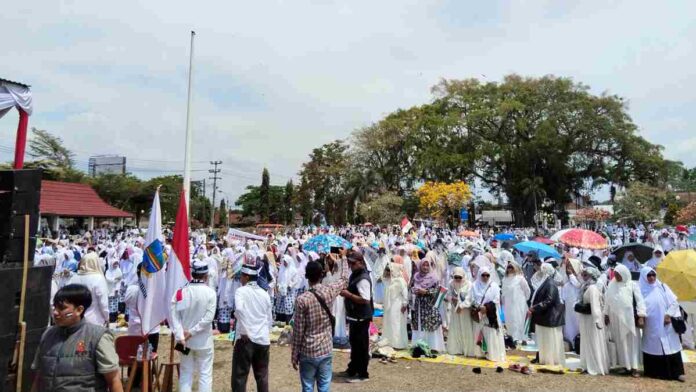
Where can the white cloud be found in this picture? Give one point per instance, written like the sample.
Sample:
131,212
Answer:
275,79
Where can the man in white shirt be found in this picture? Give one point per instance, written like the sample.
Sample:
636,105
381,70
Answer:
192,312
253,329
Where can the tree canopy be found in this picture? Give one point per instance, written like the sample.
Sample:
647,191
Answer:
528,139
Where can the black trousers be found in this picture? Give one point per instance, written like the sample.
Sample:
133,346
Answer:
248,354
359,335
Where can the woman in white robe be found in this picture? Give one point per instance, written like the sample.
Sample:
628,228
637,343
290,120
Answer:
515,295
594,357
548,316
338,306
90,274
620,297
288,279
460,337
395,306
113,276
485,293
660,345
570,293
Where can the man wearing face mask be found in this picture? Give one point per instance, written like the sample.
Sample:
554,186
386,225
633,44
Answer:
73,354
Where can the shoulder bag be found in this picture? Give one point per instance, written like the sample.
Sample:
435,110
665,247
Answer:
332,319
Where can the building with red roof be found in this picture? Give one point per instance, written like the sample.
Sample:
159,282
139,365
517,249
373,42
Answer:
75,200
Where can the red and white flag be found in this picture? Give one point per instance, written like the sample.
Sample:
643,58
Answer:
406,225
179,263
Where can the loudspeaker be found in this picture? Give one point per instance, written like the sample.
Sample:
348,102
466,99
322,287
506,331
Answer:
7,346
13,226
12,249
19,202
24,180
37,305
36,315
20,194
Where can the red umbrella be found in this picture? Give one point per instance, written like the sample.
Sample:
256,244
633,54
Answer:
682,229
582,238
544,240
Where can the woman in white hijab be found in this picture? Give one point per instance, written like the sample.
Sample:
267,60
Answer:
515,294
630,262
485,301
288,279
89,274
334,270
395,306
661,345
460,337
570,293
594,357
114,277
548,316
658,256
619,310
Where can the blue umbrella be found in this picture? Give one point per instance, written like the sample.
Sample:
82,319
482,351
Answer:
504,236
542,250
324,242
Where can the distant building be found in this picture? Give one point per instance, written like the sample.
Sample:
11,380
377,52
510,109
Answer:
106,164
496,217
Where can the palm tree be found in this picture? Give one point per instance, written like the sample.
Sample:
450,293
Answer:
534,187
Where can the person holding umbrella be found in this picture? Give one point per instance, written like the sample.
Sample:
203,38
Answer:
660,344
629,261
658,255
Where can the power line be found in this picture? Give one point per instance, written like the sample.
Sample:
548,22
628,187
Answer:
214,172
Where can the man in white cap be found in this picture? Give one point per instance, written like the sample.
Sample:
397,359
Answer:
253,330
192,312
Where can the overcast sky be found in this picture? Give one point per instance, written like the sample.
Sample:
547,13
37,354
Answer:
275,79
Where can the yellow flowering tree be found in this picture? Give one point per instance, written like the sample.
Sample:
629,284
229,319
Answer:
442,200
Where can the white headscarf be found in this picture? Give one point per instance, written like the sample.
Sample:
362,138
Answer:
485,292
620,297
287,274
547,271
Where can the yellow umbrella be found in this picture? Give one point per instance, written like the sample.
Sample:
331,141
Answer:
678,271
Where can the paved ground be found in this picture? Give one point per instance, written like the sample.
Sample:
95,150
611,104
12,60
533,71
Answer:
407,375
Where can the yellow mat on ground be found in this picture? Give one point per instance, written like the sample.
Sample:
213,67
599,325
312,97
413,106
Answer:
475,362
689,356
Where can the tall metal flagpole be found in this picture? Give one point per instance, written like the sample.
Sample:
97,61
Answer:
189,133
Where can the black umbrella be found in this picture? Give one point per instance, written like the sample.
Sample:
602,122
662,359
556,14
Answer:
642,252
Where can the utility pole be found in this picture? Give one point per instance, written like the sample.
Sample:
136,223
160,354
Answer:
215,177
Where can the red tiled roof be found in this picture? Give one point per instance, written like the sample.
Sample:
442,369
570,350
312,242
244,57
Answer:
75,200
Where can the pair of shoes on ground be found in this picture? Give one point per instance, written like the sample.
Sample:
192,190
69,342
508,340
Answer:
352,377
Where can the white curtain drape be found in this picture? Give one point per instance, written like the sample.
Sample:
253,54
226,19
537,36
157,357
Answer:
12,95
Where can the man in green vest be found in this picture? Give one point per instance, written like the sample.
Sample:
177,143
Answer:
75,355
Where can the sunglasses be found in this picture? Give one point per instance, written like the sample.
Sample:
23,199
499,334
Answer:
458,278
653,275
485,276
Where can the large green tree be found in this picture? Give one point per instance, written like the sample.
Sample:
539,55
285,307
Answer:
250,203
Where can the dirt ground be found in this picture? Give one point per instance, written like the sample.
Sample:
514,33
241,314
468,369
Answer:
409,375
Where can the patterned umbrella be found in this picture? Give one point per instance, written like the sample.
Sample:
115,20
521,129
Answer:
323,243
544,240
582,238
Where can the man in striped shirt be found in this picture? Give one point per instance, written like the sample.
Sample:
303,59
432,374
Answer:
313,330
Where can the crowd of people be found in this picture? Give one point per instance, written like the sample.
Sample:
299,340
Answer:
470,296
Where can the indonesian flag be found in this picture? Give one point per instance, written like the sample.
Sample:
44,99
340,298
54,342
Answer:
406,225
153,280
179,263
